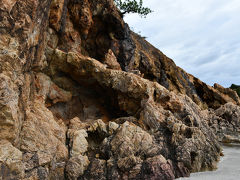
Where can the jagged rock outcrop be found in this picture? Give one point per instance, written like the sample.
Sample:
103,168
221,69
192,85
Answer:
225,123
83,97
155,66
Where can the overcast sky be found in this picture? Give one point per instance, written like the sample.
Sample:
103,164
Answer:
201,36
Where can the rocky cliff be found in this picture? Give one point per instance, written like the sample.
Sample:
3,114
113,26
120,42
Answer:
83,97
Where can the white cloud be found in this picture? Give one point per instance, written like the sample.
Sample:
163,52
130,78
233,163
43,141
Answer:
202,37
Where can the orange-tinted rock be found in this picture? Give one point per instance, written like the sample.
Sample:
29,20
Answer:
56,11
111,61
81,96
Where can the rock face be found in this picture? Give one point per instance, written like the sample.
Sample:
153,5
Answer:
225,123
83,97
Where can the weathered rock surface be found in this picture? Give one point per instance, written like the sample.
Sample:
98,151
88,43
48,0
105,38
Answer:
154,65
10,161
83,97
225,122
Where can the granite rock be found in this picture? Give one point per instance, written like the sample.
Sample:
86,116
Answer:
84,97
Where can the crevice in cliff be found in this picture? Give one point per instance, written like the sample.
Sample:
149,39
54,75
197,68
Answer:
193,156
89,101
95,140
27,91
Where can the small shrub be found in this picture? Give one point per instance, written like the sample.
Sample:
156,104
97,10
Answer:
236,88
132,6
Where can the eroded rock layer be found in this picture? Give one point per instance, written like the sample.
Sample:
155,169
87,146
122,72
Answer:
83,97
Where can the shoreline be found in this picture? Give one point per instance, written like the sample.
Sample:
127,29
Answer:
228,166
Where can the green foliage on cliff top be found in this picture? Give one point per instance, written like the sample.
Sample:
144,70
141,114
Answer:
236,88
132,6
